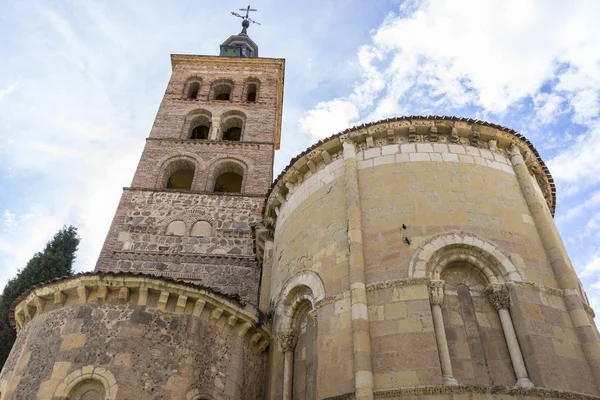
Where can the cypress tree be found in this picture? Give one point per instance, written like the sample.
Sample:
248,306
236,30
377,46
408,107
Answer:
54,261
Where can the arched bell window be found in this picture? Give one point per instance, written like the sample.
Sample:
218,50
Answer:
232,125
200,132
193,90
227,177
200,124
251,93
179,174
223,92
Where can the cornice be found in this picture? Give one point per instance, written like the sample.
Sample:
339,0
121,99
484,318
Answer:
136,290
409,129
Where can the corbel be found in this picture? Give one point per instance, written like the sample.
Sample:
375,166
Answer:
412,134
433,134
216,314
162,300
326,156
124,294
181,303
143,296
40,303
82,292
454,135
59,298
198,307
244,329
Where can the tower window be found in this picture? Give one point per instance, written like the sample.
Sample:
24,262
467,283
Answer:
193,91
228,182
222,92
179,174
234,134
227,177
232,125
200,132
181,179
251,95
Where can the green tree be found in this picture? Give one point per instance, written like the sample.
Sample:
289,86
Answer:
54,261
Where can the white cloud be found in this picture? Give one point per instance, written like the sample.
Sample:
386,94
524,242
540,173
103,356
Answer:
6,91
443,55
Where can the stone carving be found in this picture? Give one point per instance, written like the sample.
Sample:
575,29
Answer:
499,297
287,341
436,292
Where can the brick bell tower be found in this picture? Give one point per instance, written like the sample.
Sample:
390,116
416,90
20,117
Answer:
202,178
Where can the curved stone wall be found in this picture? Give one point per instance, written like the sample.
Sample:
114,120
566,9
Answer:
139,337
394,221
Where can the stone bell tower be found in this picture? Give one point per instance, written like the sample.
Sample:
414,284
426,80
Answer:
201,181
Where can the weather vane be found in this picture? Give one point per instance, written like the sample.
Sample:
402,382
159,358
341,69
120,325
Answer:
245,19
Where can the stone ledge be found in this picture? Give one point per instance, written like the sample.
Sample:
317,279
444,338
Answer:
412,131
116,289
481,390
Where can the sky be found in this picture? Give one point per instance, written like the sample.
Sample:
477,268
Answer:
81,81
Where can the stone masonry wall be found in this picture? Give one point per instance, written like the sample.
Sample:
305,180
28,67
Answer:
137,240
153,354
432,189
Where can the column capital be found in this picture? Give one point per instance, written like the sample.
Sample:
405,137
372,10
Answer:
287,340
436,291
498,295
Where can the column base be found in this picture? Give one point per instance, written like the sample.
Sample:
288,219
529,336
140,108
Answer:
449,380
524,383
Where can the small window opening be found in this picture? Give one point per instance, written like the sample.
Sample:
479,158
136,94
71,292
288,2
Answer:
193,92
223,92
200,132
181,179
251,93
234,134
228,182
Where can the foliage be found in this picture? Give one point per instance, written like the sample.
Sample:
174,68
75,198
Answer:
54,261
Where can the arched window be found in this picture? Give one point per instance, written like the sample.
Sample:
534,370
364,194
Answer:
179,174
251,92
193,90
181,179
200,132
227,177
230,182
89,389
176,228
222,92
232,124
200,122
478,350
201,228
233,133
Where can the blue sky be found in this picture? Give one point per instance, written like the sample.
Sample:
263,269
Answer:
80,84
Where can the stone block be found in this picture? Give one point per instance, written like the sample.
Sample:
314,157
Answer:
73,341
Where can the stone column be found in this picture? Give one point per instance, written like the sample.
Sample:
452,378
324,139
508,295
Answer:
561,265
215,130
436,296
499,297
361,338
287,344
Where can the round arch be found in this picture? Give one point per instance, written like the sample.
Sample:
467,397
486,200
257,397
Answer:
194,118
170,164
87,373
305,286
223,166
437,253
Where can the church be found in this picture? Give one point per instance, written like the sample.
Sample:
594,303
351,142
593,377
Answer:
410,258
